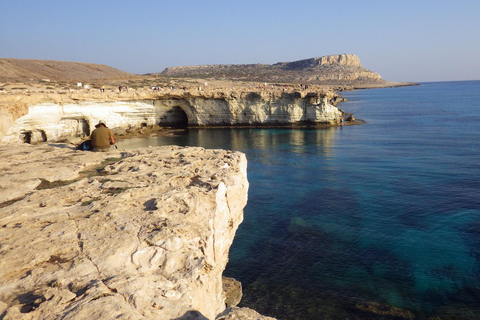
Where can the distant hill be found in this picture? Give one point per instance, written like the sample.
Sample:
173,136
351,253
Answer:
342,69
26,70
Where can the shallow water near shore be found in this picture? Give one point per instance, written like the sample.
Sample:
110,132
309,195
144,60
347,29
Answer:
388,211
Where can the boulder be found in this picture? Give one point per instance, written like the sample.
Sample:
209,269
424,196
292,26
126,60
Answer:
232,290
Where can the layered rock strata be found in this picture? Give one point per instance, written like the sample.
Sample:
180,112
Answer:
137,235
55,122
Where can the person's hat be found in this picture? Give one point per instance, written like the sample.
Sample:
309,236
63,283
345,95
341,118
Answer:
100,123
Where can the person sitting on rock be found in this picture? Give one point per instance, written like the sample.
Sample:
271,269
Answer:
102,137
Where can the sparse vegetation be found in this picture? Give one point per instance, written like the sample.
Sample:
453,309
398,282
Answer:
10,202
45,184
114,191
86,203
308,71
97,171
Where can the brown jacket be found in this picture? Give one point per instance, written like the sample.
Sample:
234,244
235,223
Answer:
102,137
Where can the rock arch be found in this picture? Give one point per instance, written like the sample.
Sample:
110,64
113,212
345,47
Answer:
174,117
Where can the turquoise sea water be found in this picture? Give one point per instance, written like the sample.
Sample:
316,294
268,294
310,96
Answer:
387,212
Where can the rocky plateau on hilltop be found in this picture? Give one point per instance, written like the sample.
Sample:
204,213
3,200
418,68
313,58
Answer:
341,69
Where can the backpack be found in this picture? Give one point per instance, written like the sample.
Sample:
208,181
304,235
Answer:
85,146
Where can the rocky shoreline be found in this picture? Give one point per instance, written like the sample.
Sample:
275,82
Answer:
63,117
137,235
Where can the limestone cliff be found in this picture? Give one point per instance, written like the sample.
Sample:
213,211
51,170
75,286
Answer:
138,235
73,118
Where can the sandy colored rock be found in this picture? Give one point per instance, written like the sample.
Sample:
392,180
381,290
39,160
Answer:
232,290
137,235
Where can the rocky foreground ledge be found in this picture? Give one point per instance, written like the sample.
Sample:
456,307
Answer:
143,234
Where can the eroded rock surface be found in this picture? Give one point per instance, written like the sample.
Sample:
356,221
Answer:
71,117
137,235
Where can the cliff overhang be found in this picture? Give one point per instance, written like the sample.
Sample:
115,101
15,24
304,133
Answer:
74,118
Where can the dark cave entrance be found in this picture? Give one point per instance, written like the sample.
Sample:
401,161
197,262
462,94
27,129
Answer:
32,137
27,137
175,118
85,127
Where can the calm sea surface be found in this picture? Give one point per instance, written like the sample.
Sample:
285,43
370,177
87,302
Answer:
387,212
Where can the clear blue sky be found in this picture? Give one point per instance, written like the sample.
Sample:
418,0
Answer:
408,40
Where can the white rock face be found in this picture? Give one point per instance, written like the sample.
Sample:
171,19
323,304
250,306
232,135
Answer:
59,122
257,109
147,237
54,122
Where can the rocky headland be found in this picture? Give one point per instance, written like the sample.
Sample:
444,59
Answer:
340,69
143,234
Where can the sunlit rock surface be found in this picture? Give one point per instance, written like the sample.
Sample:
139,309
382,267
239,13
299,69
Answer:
73,117
137,235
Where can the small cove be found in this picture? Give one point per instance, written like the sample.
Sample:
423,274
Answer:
387,211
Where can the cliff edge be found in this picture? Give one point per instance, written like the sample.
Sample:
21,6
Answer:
138,235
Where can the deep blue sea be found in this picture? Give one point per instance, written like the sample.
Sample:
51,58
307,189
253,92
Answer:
387,211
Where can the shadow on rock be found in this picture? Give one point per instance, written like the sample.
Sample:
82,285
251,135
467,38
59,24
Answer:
192,315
